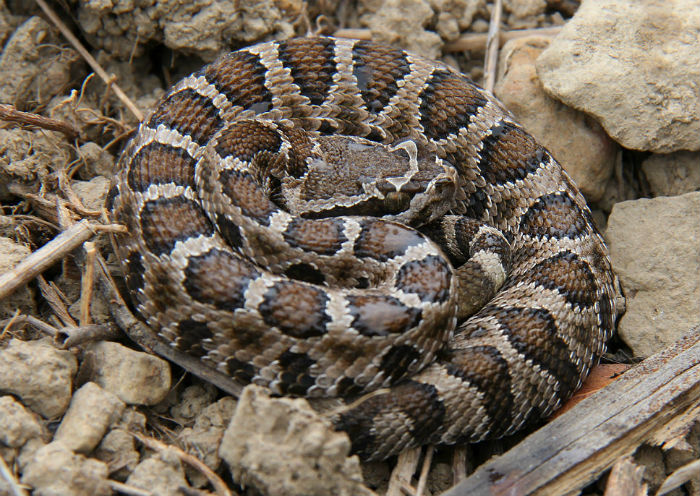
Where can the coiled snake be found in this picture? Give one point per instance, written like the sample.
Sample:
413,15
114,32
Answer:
332,217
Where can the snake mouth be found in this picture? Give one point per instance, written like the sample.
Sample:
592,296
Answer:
396,202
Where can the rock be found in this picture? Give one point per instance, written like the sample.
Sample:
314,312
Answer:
654,250
92,410
17,425
93,192
204,438
576,141
524,14
455,16
118,451
11,254
55,470
309,457
193,401
34,65
634,65
673,174
98,162
159,474
137,378
401,23
206,28
25,155
39,374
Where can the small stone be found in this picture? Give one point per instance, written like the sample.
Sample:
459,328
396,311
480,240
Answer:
574,139
159,474
17,425
137,378
93,192
118,451
56,470
634,65
654,250
98,162
39,374
193,400
11,254
310,458
92,410
673,174
204,438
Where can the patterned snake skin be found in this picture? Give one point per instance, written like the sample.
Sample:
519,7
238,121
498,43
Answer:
337,218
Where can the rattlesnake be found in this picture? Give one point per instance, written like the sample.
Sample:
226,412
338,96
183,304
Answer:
252,196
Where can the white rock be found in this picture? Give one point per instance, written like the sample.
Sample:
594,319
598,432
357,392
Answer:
159,474
310,459
39,374
634,65
576,141
137,378
92,410
654,249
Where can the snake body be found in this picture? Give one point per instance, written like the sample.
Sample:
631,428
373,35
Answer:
338,218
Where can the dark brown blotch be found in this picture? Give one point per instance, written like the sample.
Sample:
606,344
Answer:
295,378
484,368
312,65
219,278
322,236
156,163
244,192
448,103
296,309
378,70
189,113
166,221
555,215
399,360
533,333
380,315
190,334
509,154
428,278
247,140
243,372
133,273
241,77
383,240
567,274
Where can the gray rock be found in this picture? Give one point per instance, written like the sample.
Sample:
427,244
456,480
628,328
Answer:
118,451
55,470
92,410
17,425
93,192
673,174
309,457
654,249
11,254
159,474
634,65
98,162
137,378
39,374
575,140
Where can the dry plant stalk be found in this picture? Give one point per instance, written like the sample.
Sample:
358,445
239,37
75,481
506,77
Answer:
9,113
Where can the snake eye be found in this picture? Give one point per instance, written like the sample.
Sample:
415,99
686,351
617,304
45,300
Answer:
396,201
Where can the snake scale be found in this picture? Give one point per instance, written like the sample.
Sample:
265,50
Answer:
338,218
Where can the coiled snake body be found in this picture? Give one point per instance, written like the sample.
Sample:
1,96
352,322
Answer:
332,217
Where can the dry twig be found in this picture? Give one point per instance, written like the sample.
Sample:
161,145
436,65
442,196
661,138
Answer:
403,472
109,80
12,484
9,113
87,283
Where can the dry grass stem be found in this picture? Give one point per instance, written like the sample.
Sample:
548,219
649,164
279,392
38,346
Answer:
120,487
476,42
403,472
492,46
8,324
9,113
12,484
109,80
56,301
459,464
69,337
423,479
87,283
